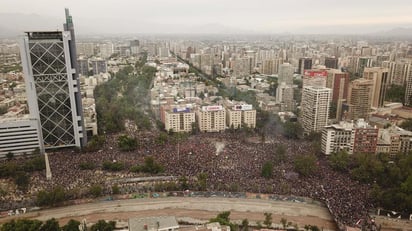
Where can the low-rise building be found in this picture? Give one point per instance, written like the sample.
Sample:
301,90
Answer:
168,223
19,136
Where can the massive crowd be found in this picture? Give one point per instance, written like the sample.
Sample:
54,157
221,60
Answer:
231,161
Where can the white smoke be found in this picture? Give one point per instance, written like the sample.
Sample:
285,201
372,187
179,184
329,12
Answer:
219,147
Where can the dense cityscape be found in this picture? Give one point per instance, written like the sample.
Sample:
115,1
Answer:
297,118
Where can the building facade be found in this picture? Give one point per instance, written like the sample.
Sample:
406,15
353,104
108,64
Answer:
179,120
380,79
315,108
359,98
211,118
52,86
19,136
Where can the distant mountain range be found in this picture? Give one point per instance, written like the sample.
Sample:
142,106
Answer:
14,25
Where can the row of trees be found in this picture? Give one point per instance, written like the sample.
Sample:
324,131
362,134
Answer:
53,225
125,96
20,172
391,178
223,218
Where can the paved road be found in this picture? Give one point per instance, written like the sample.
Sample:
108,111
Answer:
189,207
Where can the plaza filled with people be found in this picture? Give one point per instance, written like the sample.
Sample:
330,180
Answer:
227,161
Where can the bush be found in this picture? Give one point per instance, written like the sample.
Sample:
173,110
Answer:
127,143
52,198
87,166
267,170
96,190
305,165
113,166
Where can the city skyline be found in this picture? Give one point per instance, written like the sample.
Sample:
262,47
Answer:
184,16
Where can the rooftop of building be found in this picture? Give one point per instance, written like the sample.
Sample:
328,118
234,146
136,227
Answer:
153,223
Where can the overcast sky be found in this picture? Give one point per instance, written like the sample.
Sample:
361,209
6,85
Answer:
270,16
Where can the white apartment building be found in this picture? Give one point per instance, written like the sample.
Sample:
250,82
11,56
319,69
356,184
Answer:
179,120
211,118
240,115
337,137
315,108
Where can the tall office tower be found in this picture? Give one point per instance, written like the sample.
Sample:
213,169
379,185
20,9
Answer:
304,64
98,66
285,73
331,62
359,98
134,47
379,77
398,71
271,66
52,85
339,83
315,108
284,96
106,50
362,63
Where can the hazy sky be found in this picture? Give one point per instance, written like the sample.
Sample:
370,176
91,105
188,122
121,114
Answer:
253,15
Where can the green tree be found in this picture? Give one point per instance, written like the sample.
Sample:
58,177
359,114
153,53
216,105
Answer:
72,225
115,189
305,165
9,155
395,93
407,124
102,225
96,190
245,224
340,160
284,222
50,225
3,110
202,181
127,143
280,153
51,198
267,170
222,218
22,180
184,185
292,130
268,220
21,225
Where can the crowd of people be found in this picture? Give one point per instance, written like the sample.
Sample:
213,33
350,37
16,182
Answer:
230,162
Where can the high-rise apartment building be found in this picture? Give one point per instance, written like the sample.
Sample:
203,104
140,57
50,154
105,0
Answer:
408,91
271,66
285,73
359,98
211,118
331,62
52,85
315,108
340,85
83,65
380,79
398,71
179,120
284,97
98,66
304,64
